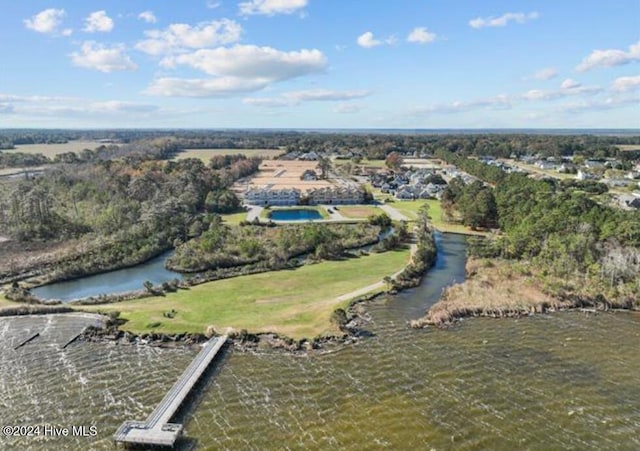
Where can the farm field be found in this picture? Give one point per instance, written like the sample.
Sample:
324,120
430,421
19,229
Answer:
51,150
297,303
281,174
628,147
206,154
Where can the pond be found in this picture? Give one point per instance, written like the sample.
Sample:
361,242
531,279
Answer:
118,281
295,214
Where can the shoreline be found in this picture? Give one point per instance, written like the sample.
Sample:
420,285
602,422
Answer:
494,289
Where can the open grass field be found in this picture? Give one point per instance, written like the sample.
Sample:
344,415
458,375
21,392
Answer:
206,154
410,208
297,303
628,147
5,303
51,150
358,211
234,218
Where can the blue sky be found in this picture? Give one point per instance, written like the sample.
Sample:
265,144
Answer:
320,64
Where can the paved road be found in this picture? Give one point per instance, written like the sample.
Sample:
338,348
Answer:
393,213
374,286
254,212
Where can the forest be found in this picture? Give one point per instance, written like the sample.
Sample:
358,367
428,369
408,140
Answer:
125,211
575,244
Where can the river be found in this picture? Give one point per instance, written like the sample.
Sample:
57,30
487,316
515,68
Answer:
557,381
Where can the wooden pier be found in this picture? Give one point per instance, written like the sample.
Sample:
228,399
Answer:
157,431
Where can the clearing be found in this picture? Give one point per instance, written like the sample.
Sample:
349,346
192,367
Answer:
206,154
51,150
358,211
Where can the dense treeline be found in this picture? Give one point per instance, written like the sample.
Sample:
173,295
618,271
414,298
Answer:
125,213
575,243
20,159
474,204
222,246
424,256
371,145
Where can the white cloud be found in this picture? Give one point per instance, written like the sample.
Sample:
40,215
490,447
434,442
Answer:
116,106
623,84
348,108
6,108
103,58
213,5
250,61
46,21
546,74
420,35
610,58
70,106
267,102
294,98
179,37
98,21
568,88
501,102
271,7
325,95
608,103
570,84
367,40
148,17
216,87
501,21
238,69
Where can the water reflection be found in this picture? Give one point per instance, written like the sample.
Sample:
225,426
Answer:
119,281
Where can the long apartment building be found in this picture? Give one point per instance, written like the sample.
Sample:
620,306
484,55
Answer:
267,196
291,196
333,196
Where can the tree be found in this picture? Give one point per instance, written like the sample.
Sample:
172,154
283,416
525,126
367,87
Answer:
324,163
393,160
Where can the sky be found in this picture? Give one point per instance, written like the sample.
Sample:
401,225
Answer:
320,64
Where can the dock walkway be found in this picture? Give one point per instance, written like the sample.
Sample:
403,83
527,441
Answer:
157,431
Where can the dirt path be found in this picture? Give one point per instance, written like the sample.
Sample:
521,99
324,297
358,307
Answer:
374,286
393,213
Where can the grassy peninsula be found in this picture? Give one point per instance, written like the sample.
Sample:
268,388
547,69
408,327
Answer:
297,303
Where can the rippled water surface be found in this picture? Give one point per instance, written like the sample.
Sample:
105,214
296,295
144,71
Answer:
559,381
117,281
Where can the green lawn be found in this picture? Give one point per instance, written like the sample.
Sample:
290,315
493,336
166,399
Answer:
297,303
358,211
410,208
6,303
234,218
